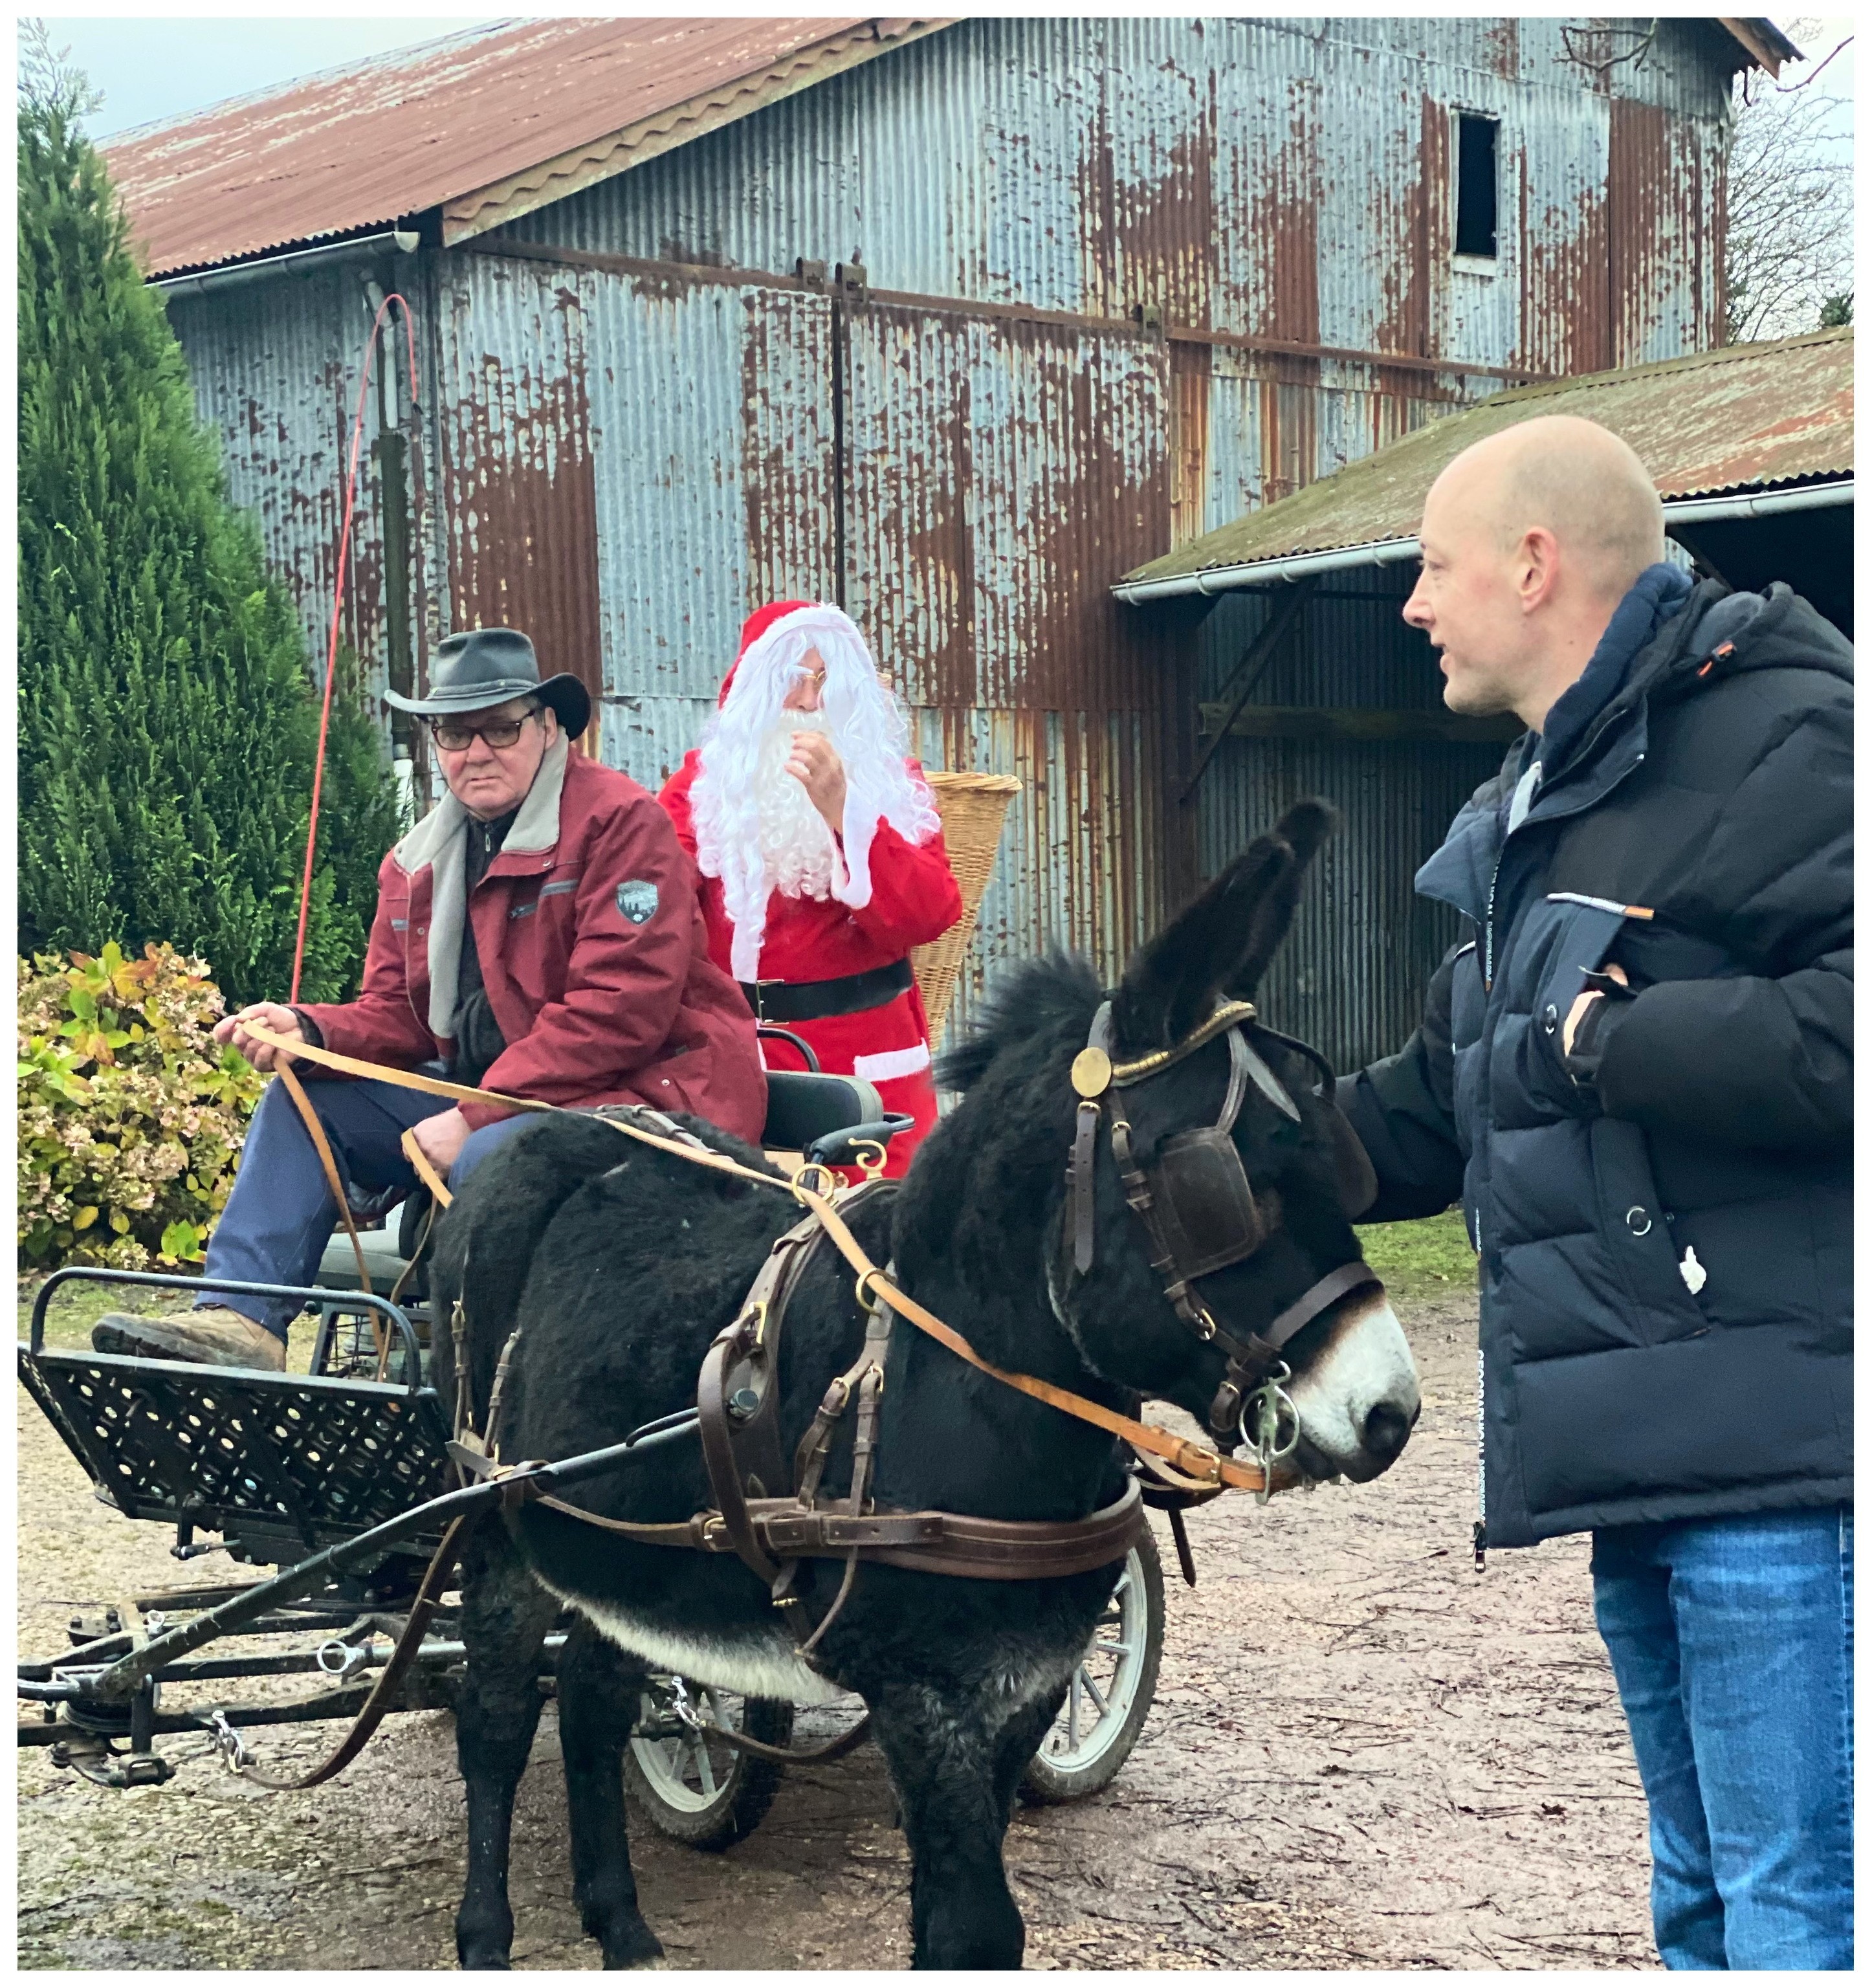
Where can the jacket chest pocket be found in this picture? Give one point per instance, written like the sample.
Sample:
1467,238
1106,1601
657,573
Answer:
540,920
1562,938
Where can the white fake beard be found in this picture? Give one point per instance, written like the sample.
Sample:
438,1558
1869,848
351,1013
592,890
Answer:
797,850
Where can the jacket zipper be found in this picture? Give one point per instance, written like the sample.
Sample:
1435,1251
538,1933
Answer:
1479,1536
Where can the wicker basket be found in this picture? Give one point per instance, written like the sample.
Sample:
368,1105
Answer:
972,806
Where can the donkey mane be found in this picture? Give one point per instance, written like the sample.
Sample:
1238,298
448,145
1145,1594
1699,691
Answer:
1055,992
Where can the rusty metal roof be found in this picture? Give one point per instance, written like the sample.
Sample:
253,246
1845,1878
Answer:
1767,47
1742,418
483,126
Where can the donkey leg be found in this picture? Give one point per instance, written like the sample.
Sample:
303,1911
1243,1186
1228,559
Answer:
945,1751
598,1694
505,1618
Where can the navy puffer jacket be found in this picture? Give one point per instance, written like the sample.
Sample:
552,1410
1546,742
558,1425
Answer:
1664,1218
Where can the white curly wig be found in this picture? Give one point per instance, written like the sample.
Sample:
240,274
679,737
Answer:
866,724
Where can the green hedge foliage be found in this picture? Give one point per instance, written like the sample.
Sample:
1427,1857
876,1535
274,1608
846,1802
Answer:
130,1115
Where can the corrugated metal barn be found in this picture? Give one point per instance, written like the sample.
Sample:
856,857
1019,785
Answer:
955,324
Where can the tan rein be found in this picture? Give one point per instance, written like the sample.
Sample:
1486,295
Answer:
1204,1468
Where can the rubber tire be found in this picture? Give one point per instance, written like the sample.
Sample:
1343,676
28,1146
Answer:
1044,1784
742,1800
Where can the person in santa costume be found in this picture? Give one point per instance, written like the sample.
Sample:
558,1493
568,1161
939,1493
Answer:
821,854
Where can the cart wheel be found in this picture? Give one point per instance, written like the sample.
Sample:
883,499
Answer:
703,1792
1110,1693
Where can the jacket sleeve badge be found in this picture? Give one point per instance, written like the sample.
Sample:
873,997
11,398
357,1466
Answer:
638,901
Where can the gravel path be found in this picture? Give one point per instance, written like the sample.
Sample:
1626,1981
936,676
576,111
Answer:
1361,1755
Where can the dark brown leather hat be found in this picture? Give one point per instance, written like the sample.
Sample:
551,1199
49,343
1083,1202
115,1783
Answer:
488,666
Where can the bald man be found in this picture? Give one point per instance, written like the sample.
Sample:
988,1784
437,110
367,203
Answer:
1636,1072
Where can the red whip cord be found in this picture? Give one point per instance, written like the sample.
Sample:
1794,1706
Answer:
331,652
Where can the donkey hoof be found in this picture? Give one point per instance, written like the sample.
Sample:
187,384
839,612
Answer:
633,1946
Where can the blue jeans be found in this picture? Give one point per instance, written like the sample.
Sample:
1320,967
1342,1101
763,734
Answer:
1732,1640
281,1214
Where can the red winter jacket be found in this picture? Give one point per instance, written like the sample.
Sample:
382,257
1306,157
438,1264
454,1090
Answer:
914,899
592,949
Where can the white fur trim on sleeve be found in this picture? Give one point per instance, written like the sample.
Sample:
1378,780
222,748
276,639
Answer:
887,1064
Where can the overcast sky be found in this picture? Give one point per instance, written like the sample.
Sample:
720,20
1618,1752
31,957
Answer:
150,69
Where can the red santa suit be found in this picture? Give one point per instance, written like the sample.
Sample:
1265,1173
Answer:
820,907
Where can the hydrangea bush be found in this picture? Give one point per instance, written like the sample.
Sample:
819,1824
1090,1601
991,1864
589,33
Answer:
131,1116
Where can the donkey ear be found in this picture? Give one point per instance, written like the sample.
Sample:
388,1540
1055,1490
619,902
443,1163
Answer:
1172,981
1301,831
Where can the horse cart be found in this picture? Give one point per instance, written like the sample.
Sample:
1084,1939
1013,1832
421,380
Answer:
341,1478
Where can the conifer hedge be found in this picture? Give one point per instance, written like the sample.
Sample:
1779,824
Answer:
167,720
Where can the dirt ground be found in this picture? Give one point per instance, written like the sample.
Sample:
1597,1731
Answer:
1361,1755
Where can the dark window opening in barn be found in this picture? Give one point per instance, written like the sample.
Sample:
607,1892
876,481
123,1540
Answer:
1475,190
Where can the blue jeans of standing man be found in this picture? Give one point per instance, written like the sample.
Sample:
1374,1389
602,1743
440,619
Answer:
281,1214
1731,1641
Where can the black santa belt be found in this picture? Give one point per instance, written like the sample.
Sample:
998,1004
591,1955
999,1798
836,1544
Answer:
813,1000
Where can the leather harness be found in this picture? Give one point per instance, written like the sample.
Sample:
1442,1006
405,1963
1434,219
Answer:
1195,1201
767,1510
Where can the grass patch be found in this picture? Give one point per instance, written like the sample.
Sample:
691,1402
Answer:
76,1306
1429,1256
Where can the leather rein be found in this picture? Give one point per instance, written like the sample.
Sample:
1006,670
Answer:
809,1187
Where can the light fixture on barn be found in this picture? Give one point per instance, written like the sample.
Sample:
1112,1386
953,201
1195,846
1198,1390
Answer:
344,553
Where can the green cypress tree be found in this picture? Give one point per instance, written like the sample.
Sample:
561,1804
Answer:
168,723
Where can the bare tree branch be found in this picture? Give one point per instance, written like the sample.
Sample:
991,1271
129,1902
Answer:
1787,248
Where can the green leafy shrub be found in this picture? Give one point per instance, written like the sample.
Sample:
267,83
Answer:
131,1116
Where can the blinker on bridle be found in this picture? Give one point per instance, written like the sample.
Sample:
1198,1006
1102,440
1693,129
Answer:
1199,1213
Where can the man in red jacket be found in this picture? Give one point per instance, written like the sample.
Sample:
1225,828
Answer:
536,934
821,853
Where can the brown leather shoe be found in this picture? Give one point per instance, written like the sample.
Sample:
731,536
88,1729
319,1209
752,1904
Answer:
212,1336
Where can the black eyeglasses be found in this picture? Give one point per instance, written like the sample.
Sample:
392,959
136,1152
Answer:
502,733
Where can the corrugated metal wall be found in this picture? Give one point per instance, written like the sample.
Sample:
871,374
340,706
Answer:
626,464
1285,177
274,366
626,461
1351,977
994,470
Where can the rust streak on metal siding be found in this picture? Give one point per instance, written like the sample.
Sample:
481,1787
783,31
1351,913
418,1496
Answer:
1286,220
785,467
1643,212
1566,319
522,500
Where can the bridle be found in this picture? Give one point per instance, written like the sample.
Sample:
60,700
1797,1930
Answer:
1200,1214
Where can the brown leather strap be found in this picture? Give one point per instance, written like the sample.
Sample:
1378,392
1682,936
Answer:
1311,1303
334,1181
434,1182
796,1756
390,1680
1084,1161
949,1542
717,1450
315,1130
1190,1458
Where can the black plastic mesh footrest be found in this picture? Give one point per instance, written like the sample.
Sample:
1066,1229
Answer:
238,1453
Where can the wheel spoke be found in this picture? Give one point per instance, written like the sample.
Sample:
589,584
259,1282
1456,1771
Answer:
704,1770
1093,1691
1112,1649
1072,1716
